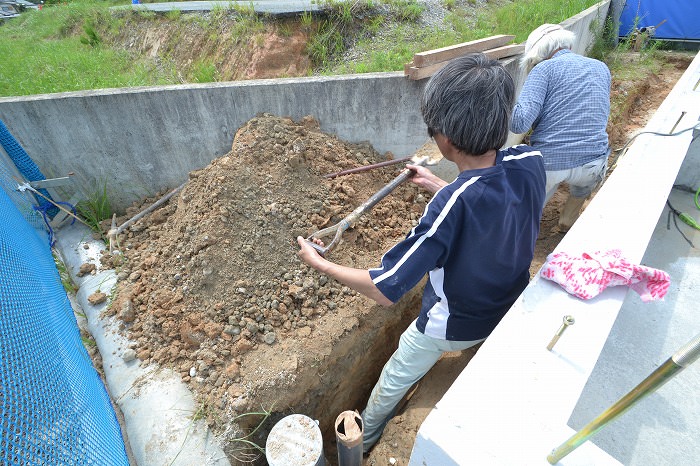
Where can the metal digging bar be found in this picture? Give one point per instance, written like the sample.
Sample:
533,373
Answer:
339,228
673,365
367,167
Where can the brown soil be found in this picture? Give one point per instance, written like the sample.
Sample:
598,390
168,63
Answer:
239,45
210,284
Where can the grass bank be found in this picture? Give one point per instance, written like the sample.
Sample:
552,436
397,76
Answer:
56,49
74,46
391,43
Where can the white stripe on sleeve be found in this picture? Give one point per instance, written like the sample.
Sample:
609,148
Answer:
439,313
534,153
430,232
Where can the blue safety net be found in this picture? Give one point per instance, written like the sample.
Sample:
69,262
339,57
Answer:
26,166
54,408
671,20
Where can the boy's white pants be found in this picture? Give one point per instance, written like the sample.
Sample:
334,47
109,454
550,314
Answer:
414,357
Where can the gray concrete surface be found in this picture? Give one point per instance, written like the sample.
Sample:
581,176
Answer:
140,141
689,176
663,428
271,7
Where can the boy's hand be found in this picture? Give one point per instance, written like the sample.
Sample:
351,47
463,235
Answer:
424,178
308,254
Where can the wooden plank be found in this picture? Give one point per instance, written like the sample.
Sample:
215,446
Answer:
431,57
416,73
506,51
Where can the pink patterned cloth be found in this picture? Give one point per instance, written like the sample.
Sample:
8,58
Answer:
588,275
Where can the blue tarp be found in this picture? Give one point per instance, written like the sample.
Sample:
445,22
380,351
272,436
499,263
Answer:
682,18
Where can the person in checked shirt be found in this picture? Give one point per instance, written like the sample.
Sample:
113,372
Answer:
475,240
566,102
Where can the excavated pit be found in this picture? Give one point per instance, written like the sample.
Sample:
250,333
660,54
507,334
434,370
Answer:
211,286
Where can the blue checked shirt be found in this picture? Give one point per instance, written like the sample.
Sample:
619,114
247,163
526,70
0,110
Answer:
566,102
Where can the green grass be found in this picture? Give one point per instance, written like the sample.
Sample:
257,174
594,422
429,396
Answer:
43,52
246,25
67,281
96,207
392,50
523,16
203,72
64,47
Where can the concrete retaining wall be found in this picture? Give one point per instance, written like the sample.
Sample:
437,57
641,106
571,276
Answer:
142,140
139,141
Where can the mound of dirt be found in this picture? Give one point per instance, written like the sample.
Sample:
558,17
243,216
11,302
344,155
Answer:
210,284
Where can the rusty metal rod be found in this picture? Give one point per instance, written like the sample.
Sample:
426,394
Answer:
673,365
339,228
113,232
367,167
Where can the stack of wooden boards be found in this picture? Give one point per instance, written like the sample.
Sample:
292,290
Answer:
425,64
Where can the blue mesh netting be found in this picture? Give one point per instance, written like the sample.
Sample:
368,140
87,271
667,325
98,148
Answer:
25,165
54,408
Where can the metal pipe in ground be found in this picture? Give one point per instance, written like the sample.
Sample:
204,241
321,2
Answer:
349,432
673,365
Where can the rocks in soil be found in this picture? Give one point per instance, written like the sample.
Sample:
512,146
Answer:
85,269
96,298
213,274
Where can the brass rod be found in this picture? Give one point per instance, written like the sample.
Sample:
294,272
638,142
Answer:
673,365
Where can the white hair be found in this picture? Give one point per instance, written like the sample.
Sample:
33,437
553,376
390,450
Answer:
542,42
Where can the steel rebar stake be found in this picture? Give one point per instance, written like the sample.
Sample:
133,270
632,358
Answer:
681,359
568,320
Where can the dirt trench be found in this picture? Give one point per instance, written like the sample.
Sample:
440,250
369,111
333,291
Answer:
210,284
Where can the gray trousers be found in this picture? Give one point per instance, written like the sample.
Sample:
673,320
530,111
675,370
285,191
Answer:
414,357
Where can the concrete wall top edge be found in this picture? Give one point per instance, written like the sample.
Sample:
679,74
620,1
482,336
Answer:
600,6
205,86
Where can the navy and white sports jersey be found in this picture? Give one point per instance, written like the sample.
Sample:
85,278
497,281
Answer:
476,240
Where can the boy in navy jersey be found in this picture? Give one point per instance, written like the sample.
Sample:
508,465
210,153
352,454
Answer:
475,240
